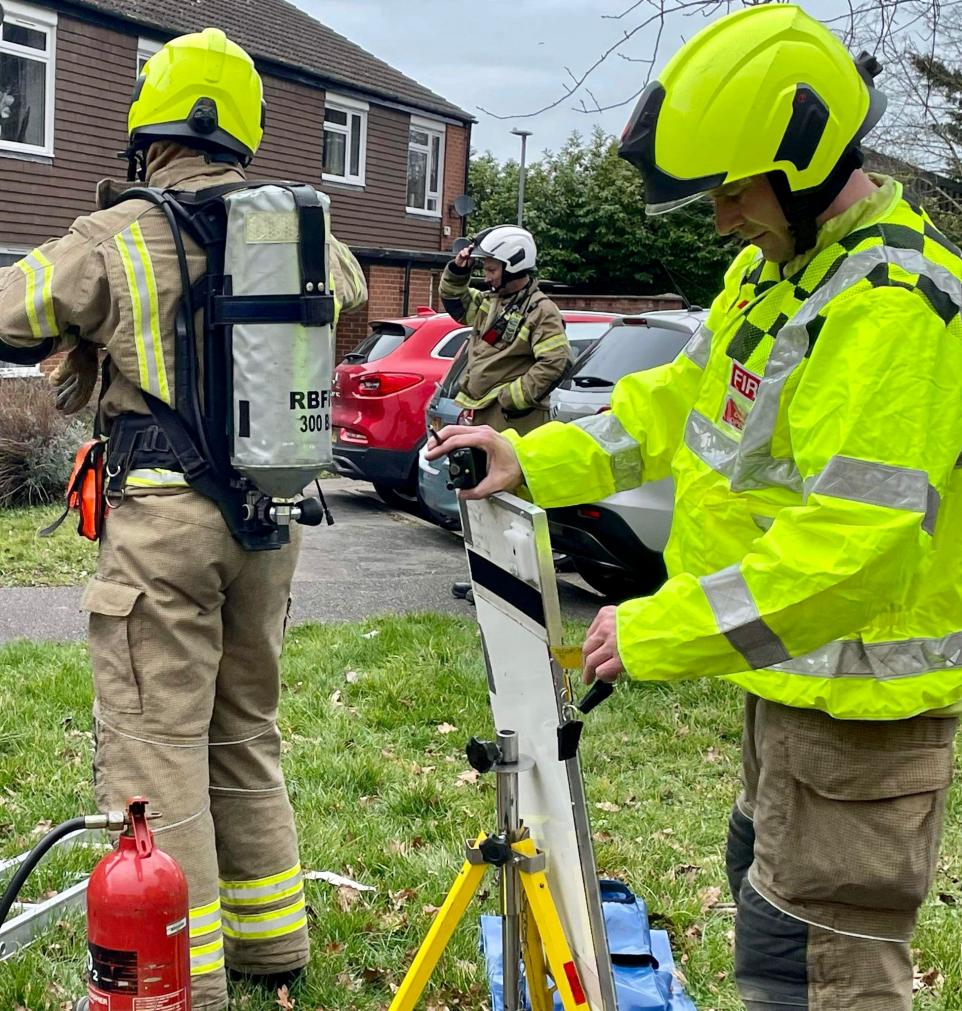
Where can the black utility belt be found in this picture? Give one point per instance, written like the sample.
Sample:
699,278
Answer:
137,442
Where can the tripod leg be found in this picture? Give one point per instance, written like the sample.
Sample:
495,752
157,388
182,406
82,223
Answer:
442,927
535,968
545,914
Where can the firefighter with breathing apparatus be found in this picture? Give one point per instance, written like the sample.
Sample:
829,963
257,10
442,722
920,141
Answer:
212,303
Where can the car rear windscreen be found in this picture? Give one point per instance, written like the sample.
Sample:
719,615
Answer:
623,350
379,343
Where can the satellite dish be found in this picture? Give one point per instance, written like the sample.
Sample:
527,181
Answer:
464,205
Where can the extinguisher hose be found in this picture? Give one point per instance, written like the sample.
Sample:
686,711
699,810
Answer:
33,858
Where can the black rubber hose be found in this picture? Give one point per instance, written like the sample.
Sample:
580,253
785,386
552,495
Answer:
32,859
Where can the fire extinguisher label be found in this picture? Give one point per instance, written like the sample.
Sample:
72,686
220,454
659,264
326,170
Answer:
176,927
167,1002
111,970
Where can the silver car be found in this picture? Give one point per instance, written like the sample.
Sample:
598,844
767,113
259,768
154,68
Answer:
437,500
616,544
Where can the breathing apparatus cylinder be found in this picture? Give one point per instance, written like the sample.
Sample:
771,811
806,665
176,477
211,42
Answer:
281,371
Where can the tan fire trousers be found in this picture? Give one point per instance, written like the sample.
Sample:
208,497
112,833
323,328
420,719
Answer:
833,846
185,638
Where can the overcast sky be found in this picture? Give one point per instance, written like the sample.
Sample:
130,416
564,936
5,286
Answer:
509,56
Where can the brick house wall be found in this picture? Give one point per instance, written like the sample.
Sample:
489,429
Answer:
42,196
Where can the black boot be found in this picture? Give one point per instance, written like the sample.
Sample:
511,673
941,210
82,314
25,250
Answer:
271,981
463,591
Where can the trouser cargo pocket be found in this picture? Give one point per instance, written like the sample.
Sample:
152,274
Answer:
861,810
114,634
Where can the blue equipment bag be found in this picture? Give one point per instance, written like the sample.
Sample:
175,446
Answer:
641,958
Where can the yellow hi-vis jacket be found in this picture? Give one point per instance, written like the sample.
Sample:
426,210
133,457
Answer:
813,427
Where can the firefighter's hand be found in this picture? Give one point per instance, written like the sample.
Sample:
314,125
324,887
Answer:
75,377
464,257
600,651
504,470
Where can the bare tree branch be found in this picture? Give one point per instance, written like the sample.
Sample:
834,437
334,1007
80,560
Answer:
881,26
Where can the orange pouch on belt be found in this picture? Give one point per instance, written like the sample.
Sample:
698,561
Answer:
85,491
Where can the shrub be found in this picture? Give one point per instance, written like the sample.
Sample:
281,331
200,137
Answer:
37,443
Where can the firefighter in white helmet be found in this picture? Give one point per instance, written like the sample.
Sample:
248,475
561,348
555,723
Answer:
518,351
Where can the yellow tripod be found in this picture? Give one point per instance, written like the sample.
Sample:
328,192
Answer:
530,926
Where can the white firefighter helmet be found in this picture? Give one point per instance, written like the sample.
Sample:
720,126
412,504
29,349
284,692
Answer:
511,245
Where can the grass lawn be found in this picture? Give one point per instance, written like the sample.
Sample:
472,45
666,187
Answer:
64,559
375,777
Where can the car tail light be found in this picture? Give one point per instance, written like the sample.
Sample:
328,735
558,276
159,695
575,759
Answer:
358,438
383,384
590,513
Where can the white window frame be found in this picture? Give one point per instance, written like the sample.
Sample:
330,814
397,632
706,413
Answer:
351,107
145,49
433,128
41,21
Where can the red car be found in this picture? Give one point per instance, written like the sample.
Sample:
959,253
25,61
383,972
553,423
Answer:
382,388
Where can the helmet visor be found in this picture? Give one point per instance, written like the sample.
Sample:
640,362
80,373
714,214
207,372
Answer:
667,206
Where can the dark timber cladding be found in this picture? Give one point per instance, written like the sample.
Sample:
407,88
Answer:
96,68
301,62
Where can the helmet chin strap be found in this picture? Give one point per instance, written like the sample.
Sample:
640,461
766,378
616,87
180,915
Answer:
803,208
499,291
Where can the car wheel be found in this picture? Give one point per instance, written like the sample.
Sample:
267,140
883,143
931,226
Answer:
444,521
397,498
619,584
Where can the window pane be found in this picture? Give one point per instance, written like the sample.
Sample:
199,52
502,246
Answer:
419,137
432,204
335,116
334,151
355,145
22,100
417,177
435,163
29,37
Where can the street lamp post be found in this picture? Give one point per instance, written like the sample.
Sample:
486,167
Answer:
524,135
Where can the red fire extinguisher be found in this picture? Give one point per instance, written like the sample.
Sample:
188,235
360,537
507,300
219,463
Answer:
138,940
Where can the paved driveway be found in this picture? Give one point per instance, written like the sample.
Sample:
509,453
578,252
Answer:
372,561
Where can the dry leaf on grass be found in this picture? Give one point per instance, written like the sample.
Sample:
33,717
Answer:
709,898
606,805
930,979
284,1000
470,776
446,728
347,897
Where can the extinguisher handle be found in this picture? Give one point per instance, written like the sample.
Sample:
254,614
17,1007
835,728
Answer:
143,839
